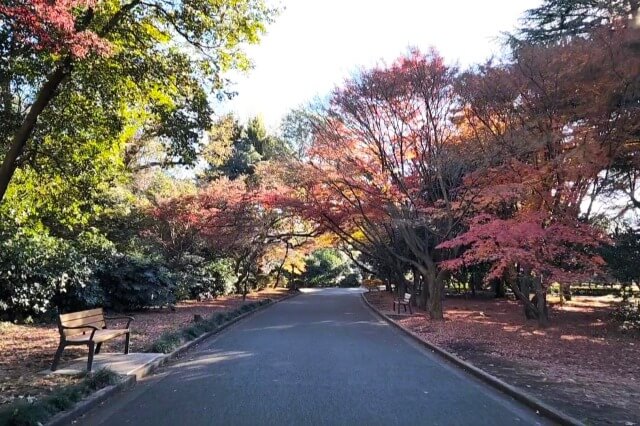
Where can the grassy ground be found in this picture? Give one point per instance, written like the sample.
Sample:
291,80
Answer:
26,350
582,363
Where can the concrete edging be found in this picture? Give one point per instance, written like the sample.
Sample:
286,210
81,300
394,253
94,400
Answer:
96,398
516,393
65,417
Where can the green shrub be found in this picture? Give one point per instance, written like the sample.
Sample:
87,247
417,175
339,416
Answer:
209,325
628,316
195,330
166,343
324,266
39,272
201,279
220,318
132,283
24,413
65,398
351,280
101,378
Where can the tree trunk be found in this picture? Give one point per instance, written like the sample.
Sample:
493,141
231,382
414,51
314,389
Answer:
540,300
22,135
48,92
565,291
535,308
415,286
401,287
530,309
284,259
434,304
474,281
424,293
435,284
499,289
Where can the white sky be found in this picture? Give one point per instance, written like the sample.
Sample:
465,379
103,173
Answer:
315,44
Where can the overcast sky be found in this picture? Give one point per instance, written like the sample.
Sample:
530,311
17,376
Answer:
315,44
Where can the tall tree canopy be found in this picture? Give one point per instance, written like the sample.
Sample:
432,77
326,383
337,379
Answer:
149,67
555,20
384,162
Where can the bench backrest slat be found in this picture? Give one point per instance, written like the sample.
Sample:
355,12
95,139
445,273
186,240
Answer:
93,317
80,314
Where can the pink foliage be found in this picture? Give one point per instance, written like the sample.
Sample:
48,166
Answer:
556,250
53,26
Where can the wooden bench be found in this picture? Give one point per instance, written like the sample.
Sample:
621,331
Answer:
405,301
88,328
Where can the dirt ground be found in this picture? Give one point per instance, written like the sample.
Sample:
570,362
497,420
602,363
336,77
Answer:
26,350
581,364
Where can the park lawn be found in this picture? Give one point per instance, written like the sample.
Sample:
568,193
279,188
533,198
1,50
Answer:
581,364
26,350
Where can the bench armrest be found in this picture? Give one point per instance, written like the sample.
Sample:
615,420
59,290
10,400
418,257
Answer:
93,331
122,317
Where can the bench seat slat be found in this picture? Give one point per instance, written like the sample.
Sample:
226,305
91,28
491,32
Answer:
68,333
99,336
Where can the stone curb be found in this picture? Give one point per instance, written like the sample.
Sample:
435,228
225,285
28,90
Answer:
542,408
65,417
96,398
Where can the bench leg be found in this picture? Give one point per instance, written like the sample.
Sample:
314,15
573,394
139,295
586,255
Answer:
57,356
98,347
126,344
410,311
92,348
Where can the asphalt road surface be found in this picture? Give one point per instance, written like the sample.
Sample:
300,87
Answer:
321,358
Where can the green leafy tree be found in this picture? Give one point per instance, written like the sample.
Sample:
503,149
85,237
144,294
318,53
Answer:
326,268
235,150
554,20
296,129
150,65
623,256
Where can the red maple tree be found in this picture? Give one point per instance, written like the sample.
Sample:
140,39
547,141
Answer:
58,26
383,163
549,128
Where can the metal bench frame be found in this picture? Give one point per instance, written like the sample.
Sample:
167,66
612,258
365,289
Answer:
406,301
89,321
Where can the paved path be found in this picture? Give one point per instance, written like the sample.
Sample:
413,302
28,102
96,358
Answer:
319,358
